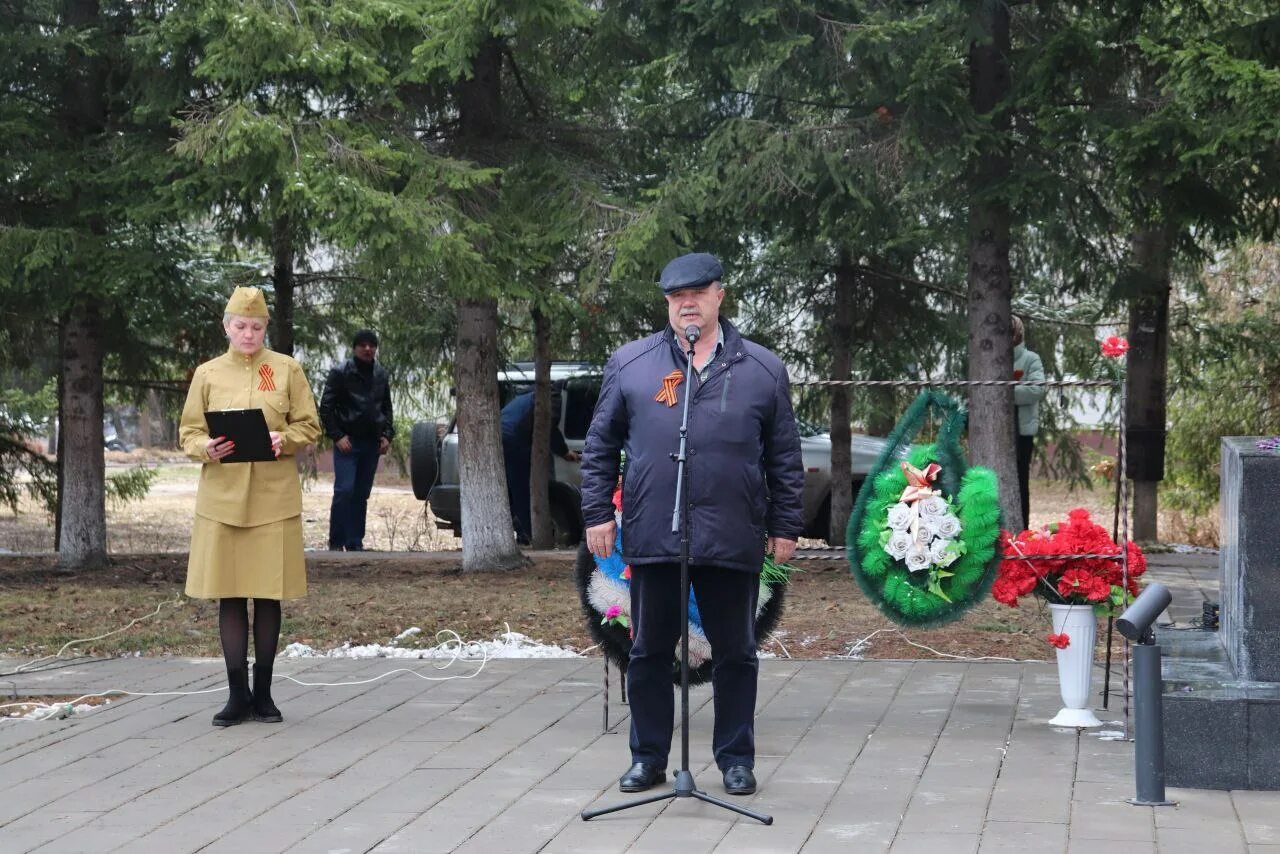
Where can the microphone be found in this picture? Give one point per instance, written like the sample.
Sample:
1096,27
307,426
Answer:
692,333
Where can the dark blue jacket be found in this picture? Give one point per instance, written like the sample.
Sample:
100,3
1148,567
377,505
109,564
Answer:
745,475
517,427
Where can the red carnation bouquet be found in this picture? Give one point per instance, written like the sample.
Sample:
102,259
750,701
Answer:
1026,569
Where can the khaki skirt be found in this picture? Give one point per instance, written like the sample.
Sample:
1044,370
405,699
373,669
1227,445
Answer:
262,562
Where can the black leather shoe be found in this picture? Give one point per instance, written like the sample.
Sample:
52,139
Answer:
738,780
641,776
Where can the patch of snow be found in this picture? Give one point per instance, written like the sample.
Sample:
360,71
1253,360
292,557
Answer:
407,633
1186,549
1109,735
506,645
57,711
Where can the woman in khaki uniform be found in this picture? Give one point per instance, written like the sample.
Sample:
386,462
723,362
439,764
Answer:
246,542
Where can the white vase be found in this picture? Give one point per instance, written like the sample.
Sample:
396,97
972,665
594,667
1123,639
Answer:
1075,664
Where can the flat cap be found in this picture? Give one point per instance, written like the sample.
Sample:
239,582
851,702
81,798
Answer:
695,270
247,302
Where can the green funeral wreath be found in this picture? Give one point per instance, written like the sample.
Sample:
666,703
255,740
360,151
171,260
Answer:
960,566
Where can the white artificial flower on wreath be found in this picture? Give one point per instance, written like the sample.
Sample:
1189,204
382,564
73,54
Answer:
898,545
918,559
923,535
947,526
940,553
899,517
934,505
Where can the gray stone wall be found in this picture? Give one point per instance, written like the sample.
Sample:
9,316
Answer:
1250,559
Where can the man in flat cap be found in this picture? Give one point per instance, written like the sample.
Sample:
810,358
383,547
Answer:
356,411
744,479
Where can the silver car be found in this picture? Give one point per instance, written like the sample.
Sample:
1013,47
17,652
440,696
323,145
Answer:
434,460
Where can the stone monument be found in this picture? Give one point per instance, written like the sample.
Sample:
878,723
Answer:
1221,692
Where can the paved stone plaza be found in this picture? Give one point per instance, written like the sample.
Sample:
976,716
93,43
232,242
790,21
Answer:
930,756
853,756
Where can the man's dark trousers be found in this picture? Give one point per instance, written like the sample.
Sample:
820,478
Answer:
352,482
1025,447
517,457
727,604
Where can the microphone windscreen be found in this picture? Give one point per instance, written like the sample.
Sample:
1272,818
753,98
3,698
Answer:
692,333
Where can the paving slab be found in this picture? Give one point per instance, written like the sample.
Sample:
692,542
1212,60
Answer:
853,756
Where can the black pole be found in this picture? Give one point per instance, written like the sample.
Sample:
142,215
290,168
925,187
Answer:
1106,671
684,785
1148,748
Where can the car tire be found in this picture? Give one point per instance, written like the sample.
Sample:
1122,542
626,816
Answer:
423,459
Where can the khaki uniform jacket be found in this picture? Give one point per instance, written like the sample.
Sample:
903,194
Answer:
250,494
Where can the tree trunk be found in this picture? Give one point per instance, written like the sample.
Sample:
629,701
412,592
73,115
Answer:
480,98
145,413
543,417
841,369
488,541
59,442
1146,377
82,526
81,537
282,279
991,411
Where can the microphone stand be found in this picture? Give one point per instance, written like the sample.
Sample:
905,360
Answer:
684,785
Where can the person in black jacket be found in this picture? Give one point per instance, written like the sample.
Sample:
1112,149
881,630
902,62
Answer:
356,411
744,482
517,455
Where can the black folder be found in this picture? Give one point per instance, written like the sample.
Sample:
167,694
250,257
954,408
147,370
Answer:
247,428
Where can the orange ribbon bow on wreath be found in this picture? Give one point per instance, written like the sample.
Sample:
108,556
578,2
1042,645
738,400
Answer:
667,394
268,381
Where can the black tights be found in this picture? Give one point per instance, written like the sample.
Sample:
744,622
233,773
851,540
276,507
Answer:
233,626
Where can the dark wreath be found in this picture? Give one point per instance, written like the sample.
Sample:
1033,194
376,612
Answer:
615,640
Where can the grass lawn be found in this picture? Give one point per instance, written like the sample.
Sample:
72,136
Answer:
372,598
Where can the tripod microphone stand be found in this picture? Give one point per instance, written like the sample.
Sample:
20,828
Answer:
684,785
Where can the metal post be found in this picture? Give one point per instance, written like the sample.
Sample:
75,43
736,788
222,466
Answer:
1148,749
1122,475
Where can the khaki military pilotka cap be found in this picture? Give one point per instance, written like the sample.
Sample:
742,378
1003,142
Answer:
247,302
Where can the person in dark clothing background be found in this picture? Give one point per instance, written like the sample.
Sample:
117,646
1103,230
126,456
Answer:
744,479
517,455
355,409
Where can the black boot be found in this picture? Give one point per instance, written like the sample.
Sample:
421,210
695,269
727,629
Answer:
264,710
239,703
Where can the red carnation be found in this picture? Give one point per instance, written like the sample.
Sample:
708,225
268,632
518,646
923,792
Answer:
1003,592
1073,581
1026,569
1061,641
1096,589
1115,347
